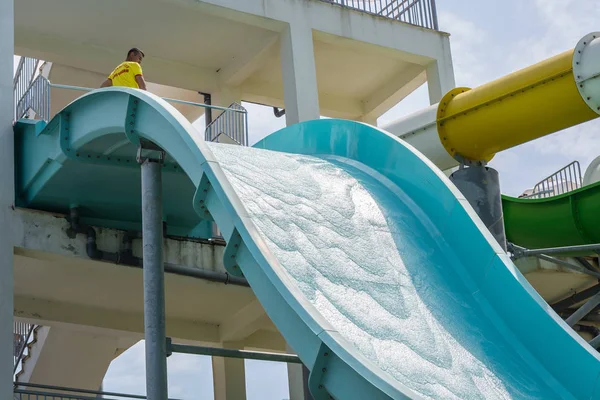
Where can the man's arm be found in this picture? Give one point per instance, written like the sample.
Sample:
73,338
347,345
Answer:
106,83
140,81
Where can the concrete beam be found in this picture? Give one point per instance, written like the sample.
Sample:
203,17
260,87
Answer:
440,75
48,313
103,60
419,45
244,65
393,91
243,323
40,234
330,105
6,196
300,91
264,340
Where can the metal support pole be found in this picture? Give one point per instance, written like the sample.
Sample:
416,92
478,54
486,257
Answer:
481,187
564,250
154,285
583,310
595,342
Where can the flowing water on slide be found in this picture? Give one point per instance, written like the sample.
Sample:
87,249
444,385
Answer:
378,270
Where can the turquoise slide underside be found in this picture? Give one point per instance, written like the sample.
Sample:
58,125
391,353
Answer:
371,264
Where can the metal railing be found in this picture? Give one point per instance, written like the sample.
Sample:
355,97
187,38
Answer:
416,12
562,181
22,334
232,123
36,99
30,391
24,76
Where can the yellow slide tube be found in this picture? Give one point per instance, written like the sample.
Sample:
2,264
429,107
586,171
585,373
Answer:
523,106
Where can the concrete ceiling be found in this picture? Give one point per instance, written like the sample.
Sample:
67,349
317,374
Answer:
205,51
120,25
55,288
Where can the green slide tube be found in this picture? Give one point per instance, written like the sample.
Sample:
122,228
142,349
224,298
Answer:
569,219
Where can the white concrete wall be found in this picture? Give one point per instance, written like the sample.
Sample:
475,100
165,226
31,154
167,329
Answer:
6,196
71,358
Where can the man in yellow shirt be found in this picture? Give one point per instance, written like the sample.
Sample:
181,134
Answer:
128,73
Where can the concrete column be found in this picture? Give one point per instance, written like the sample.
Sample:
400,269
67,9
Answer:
229,376
6,196
297,379
440,75
368,120
301,95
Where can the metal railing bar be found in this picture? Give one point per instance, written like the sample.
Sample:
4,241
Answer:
564,249
232,353
73,390
189,103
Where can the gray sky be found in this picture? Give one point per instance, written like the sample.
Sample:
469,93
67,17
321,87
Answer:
489,39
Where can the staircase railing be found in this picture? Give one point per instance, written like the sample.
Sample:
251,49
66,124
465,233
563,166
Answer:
232,123
22,334
36,99
24,77
562,181
416,12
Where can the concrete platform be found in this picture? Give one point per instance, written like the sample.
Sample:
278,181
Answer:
364,64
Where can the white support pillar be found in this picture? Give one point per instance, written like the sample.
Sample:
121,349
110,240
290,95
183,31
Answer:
368,120
229,376
300,92
440,75
6,196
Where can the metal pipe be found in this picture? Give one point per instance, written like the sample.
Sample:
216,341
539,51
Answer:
154,286
208,113
565,249
575,299
189,103
595,342
125,256
568,265
231,353
583,310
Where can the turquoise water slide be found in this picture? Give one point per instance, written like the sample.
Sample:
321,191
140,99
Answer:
368,260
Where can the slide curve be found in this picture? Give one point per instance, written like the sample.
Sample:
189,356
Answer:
371,264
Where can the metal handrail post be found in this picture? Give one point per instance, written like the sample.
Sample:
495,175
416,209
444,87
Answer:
154,277
434,15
